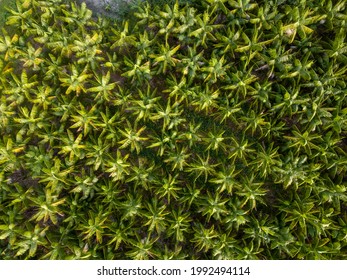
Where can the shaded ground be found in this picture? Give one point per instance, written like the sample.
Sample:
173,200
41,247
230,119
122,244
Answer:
111,8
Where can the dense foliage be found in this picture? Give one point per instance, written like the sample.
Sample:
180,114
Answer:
215,130
4,6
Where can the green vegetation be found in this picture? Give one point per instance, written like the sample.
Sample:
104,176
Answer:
3,11
214,130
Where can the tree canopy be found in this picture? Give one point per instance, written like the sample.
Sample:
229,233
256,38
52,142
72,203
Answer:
210,130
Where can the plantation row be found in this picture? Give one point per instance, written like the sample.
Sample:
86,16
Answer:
215,130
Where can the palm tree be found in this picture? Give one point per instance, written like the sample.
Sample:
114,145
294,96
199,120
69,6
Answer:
10,228
241,7
170,12
255,121
224,248
205,29
165,58
119,232
192,134
204,238
8,45
165,141
132,137
301,18
17,88
167,19
215,140
118,167
169,188
32,239
142,175
293,171
191,193
144,106
249,251
144,44
218,5
96,152
112,62
156,214
301,212
191,63
167,114
87,49
111,193
49,135
142,248
263,93
291,100
266,159
186,22
109,122
85,184
122,39
66,106
75,82
31,57
145,15
227,41
36,157
52,66
236,216
334,12
177,158
202,166
240,149
213,206
6,112
102,87
305,141
43,96
261,229
279,58
76,14
226,111
70,145
21,17
241,82
299,68
166,28
251,191
131,207
61,44
266,16
181,91
226,179
337,47
122,98
179,224
205,99
138,71
216,69
94,227
252,46
47,207
21,198
84,120
31,121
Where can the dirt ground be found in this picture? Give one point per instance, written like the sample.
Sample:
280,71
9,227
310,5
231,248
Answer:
100,6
